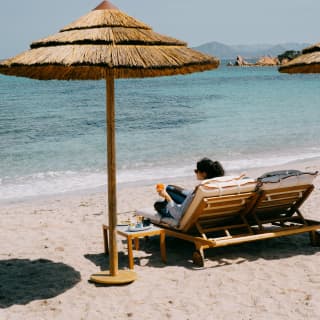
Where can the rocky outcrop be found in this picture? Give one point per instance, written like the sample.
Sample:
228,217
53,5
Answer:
241,62
263,61
267,61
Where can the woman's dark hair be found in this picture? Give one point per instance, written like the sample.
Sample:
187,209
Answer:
212,169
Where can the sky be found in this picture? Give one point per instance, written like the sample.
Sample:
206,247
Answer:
196,22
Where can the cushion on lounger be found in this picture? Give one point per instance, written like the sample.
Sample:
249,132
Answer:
285,178
227,185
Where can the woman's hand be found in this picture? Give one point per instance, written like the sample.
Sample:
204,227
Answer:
164,194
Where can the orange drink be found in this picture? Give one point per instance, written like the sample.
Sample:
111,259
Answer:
160,186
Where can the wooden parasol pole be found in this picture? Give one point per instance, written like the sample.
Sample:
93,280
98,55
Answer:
112,184
115,276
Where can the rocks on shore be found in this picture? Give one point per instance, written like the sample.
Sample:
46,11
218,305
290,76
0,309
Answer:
240,61
263,61
266,60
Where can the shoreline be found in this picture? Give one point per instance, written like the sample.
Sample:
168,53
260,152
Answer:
311,164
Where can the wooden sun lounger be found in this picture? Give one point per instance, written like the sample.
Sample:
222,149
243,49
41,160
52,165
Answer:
244,217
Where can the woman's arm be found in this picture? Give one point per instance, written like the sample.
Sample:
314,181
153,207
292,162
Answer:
164,194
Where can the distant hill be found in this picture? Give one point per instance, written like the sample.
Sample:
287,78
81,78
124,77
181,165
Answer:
253,51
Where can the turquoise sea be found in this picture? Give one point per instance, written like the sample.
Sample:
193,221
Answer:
52,133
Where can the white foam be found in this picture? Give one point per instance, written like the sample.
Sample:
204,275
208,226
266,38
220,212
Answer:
48,183
51,182
268,161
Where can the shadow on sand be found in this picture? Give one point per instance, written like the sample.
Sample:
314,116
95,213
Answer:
149,255
269,249
179,253
23,280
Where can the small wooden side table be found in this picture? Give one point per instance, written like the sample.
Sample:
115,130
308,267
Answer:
135,235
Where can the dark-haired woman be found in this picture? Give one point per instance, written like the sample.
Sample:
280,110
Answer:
177,199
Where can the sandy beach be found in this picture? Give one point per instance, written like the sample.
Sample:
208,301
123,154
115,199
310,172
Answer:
51,246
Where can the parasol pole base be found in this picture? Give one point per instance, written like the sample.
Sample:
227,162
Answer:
122,277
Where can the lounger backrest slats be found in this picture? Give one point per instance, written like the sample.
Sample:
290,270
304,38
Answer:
280,203
282,197
225,208
216,198
271,202
215,210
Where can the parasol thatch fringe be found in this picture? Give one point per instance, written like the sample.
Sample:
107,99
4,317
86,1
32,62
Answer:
306,63
313,48
155,58
311,68
56,72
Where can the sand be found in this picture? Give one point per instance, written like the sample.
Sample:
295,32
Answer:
51,245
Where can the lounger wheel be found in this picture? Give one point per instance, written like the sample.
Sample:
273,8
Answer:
198,258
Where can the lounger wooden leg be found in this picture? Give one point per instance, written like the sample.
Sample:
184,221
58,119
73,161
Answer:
105,239
198,256
163,246
314,238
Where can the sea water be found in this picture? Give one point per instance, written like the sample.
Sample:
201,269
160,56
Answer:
53,140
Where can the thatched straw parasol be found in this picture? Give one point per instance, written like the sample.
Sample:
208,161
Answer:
107,44
308,62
